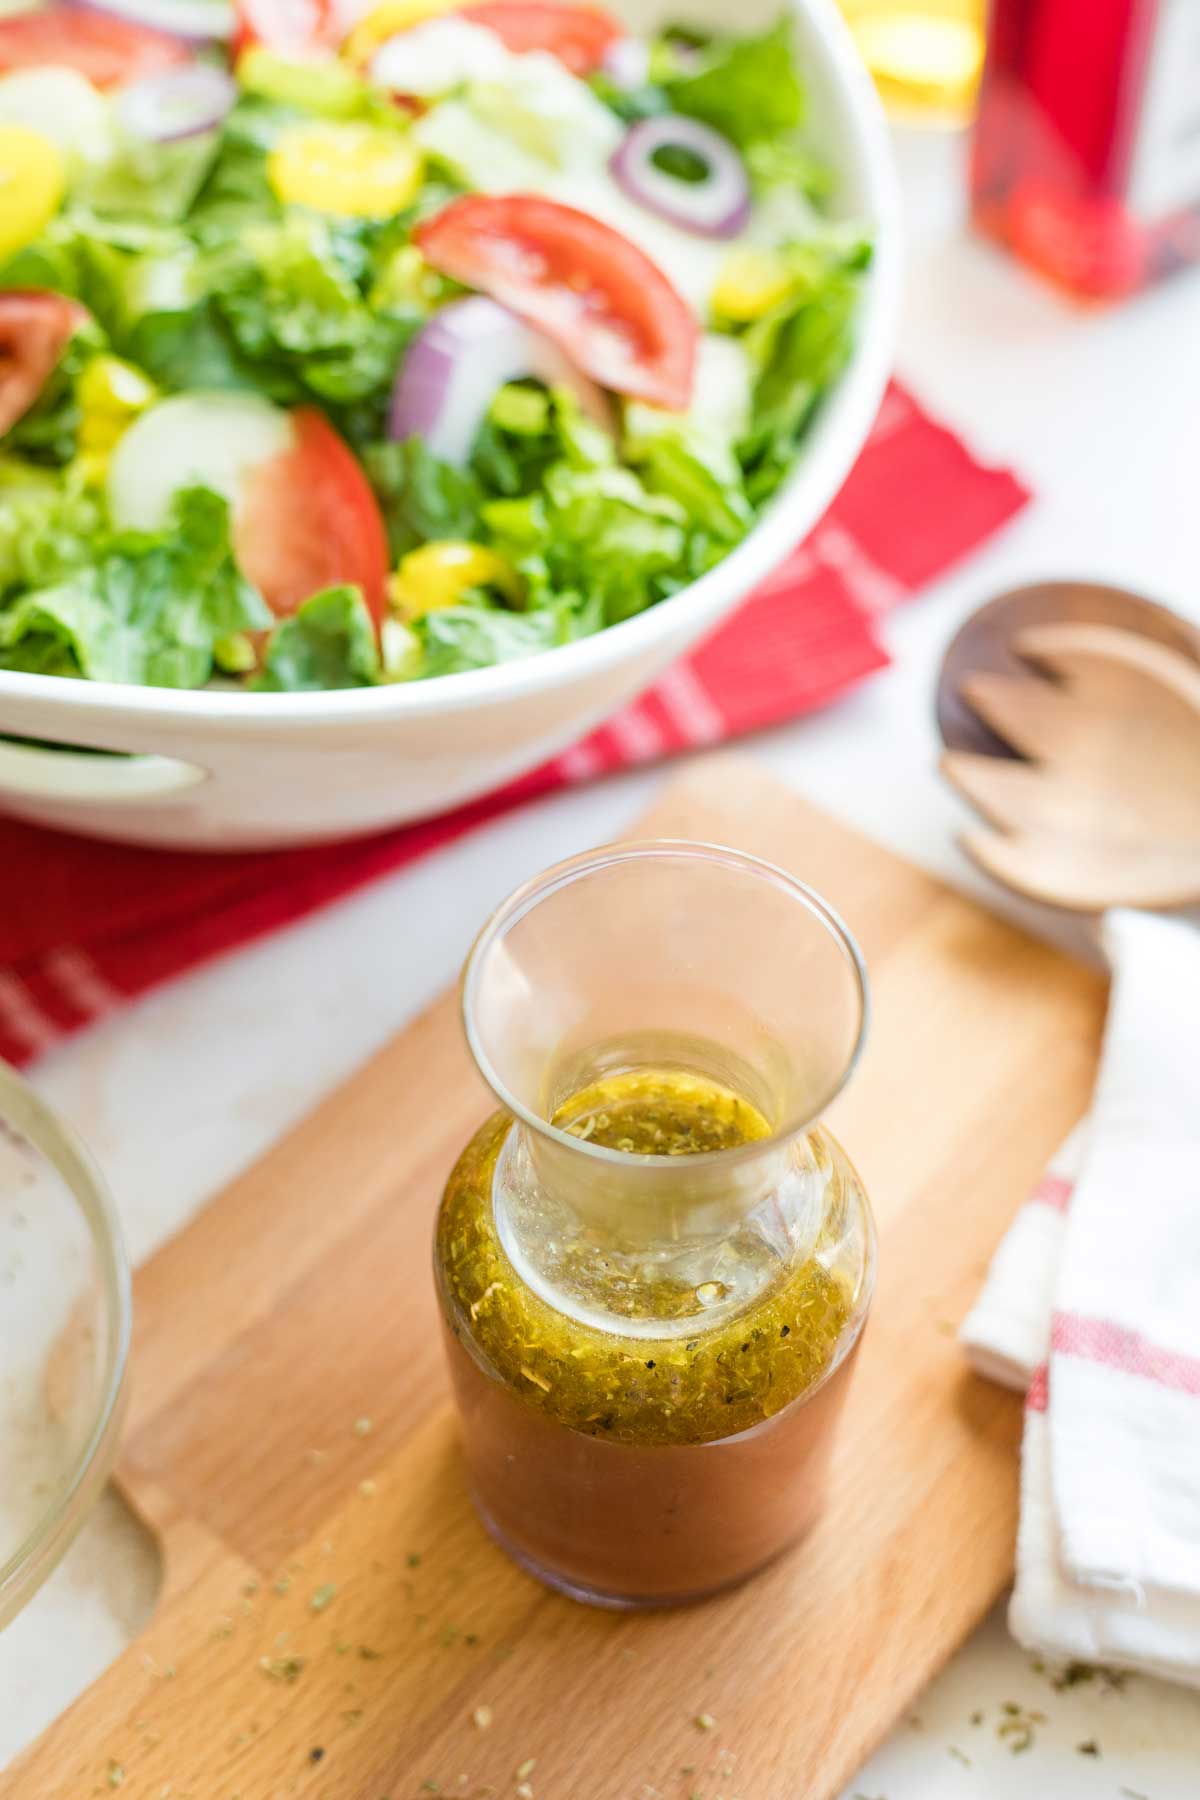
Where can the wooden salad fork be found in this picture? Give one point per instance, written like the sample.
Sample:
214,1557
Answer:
1104,808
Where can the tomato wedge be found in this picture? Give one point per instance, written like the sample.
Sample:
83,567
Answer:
597,295
577,35
288,26
105,49
34,328
307,520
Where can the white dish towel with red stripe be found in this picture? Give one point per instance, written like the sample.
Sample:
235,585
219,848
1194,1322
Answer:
1092,1307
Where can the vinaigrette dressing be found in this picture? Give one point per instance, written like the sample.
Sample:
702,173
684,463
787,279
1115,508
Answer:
702,1382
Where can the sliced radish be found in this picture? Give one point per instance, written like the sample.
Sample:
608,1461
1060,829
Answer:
176,103
191,440
454,366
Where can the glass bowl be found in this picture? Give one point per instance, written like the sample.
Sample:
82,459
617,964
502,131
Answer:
65,1313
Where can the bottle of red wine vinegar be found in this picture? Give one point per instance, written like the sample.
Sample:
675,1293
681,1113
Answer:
1086,153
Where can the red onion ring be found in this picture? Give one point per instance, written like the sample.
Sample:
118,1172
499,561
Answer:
455,364
717,206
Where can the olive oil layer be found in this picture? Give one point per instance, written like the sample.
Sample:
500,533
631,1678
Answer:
703,1384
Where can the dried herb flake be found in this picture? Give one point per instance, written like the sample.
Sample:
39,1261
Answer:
282,1668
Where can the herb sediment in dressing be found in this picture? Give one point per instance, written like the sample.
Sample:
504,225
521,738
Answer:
661,1112
706,1380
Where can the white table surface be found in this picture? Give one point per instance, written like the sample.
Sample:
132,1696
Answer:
1101,413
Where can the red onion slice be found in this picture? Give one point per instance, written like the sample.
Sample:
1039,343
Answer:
455,364
176,103
196,21
716,206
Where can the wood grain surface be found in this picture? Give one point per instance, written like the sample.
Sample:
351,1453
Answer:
334,1624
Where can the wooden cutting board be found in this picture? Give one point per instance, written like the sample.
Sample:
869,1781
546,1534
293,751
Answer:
334,1625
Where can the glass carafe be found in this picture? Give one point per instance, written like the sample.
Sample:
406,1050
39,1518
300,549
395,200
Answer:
653,1264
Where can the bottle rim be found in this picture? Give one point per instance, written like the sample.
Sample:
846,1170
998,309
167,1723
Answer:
558,876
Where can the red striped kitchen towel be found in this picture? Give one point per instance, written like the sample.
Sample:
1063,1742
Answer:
1090,1308
85,925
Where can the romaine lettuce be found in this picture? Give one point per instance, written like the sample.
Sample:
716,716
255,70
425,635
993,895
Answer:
48,526
747,88
147,610
329,642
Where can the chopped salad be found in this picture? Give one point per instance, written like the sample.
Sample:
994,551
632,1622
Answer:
332,355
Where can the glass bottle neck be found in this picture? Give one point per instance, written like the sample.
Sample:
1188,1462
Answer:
657,1246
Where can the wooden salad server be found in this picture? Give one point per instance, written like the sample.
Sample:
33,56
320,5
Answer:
1104,808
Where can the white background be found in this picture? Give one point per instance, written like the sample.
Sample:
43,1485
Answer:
1100,411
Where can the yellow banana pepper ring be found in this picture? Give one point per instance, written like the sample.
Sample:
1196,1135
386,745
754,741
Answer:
750,283
33,177
358,171
440,573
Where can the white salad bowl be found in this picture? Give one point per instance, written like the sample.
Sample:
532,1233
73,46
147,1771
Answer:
214,770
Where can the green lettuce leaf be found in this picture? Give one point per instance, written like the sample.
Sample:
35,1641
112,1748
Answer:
747,88
799,349
328,642
48,526
148,610
787,163
51,262
289,294
703,476
328,88
421,497
527,431
118,271
594,538
154,182
455,638
237,191
195,349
